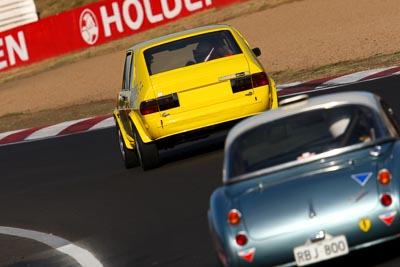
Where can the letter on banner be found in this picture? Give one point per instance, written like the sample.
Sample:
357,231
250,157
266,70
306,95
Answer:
107,20
14,48
134,25
193,6
152,18
168,13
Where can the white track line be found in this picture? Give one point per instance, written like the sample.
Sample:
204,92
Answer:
82,256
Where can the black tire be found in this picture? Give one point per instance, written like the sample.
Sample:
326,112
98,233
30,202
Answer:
147,153
129,156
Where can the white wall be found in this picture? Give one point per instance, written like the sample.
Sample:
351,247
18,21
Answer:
14,13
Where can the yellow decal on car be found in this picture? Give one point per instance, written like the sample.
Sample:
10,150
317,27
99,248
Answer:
365,224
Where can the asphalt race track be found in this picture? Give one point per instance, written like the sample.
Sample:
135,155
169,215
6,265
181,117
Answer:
68,201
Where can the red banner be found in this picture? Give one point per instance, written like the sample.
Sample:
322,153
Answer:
92,25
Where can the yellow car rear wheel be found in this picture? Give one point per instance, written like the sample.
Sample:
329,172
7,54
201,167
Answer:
129,156
147,153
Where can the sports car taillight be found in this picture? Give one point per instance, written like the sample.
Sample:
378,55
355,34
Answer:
249,82
234,216
159,104
386,200
384,176
241,239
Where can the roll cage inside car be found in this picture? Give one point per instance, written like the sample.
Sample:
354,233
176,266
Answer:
189,51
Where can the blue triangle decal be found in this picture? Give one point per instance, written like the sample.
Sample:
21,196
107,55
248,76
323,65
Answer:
362,178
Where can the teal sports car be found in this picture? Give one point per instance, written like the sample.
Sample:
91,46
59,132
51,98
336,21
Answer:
309,181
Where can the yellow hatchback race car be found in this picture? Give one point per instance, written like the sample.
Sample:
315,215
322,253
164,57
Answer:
187,85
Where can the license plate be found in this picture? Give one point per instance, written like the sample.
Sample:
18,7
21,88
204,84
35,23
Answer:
321,250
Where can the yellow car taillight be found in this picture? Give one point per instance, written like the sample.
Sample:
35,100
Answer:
249,82
159,104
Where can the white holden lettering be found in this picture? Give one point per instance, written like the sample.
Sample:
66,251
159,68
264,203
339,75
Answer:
107,20
149,12
168,13
193,6
133,24
134,12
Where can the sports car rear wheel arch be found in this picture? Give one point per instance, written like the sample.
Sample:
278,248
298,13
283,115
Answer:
147,152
